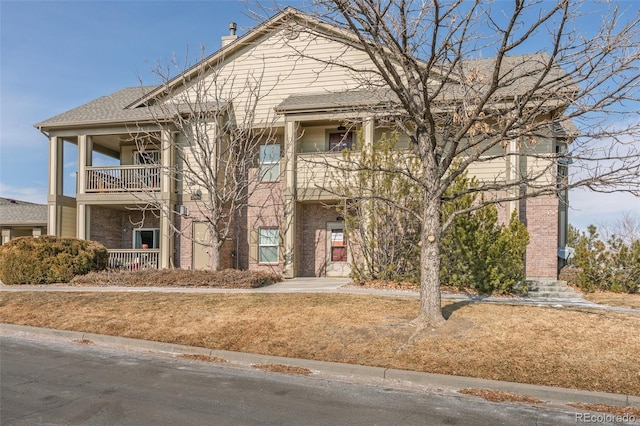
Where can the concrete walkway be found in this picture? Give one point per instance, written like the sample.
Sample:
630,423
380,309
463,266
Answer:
326,285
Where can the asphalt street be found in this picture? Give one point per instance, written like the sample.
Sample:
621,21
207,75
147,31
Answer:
61,382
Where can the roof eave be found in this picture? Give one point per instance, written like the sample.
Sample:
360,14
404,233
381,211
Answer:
94,123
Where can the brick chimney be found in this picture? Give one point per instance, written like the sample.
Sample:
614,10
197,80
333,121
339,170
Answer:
232,34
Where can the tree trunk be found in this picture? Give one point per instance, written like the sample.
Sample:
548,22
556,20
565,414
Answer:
214,252
430,315
430,309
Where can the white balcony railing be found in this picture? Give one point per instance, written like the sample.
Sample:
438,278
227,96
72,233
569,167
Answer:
123,178
133,259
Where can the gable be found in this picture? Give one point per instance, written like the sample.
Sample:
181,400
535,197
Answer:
261,74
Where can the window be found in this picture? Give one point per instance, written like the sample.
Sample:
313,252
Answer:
268,245
338,245
269,162
340,141
148,237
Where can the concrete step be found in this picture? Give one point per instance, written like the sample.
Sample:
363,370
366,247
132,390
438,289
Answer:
555,295
552,290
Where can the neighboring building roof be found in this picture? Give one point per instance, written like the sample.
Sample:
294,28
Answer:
16,213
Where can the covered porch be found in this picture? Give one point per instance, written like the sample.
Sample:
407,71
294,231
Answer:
135,237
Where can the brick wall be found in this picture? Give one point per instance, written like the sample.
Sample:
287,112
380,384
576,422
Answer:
540,215
183,243
312,240
114,228
266,209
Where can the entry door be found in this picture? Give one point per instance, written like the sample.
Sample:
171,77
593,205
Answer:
338,256
201,245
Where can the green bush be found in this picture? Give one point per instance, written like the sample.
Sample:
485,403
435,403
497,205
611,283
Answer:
481,255
48,259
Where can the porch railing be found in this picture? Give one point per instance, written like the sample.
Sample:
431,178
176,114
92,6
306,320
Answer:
133,259
123,178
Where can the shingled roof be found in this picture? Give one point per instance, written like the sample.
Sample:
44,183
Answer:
130,104
522,73
338,100
15,212
110,108
114,108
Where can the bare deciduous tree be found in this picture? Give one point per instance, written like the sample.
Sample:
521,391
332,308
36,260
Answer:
460,110
213,152
626,228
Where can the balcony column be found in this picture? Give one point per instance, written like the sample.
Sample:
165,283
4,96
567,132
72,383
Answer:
513,162
83,211
56,160
368,134
166,162
85,149
289,231
166,242
83,221
167,195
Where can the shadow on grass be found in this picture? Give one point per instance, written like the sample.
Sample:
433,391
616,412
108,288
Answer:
448,310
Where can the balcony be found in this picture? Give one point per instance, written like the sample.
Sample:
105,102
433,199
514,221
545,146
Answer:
319,174
123,179
133,259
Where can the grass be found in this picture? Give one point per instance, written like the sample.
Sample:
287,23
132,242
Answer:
581,349
623,300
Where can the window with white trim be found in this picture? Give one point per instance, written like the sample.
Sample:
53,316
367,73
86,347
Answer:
268,241
269,162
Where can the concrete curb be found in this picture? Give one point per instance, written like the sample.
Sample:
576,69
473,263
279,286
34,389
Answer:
553,395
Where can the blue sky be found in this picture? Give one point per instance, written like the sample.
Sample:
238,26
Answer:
58,55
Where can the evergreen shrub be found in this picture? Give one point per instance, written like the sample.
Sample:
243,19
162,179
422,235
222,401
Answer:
49,259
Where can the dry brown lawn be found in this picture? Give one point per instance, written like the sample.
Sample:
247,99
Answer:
583,349
624,300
